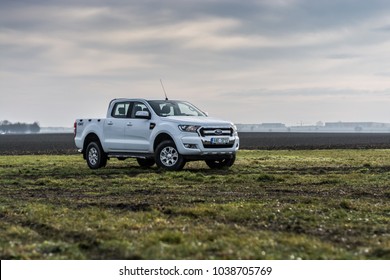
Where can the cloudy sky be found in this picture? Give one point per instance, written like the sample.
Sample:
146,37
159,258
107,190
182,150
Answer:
290,61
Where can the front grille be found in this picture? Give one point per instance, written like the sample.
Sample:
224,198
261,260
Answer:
216,131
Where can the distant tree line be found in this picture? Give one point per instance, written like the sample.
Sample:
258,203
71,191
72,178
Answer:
8,127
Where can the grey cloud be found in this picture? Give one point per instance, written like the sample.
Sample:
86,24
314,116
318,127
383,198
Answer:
210,46
384,28
342,56
308,92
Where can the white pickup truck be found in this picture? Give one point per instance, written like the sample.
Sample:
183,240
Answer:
163,132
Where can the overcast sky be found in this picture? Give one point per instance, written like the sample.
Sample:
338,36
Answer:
290,61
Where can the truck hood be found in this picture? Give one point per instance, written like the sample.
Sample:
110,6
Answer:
204,121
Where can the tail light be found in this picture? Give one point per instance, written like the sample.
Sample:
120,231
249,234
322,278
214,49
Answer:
75,129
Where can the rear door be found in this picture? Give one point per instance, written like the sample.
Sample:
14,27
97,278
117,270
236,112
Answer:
114,127
137,131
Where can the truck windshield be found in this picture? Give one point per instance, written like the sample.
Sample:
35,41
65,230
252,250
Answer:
166,108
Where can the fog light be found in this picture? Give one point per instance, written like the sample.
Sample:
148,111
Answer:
190,146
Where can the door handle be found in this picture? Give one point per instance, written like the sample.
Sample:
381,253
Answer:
110,123
129,124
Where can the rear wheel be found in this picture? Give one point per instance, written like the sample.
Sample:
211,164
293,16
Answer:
168,157
221,163
95,156
146,162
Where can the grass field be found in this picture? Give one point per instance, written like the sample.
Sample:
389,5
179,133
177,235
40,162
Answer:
319,204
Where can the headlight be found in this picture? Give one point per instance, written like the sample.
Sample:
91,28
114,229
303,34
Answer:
189,128
235,131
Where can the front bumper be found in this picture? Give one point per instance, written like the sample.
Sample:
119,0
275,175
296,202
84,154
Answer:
193,145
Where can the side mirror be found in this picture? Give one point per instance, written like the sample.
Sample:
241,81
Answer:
143,115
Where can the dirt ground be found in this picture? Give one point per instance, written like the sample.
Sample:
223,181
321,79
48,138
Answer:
21,144
63,143
303,141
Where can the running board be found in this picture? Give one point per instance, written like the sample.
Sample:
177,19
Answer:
130,155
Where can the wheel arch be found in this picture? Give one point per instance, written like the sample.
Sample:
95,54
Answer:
163,136
91,137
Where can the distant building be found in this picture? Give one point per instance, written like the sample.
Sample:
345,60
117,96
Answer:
272,125
262,127
357,126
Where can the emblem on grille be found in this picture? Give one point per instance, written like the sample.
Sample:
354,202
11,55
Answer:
218,131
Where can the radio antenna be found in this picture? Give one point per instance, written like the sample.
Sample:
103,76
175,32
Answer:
166,98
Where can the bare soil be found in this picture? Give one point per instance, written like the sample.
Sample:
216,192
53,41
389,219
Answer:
57,144
32,144
309,141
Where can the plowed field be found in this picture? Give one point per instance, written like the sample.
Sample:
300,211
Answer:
63,143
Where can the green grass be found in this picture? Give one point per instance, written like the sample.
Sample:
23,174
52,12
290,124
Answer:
328,204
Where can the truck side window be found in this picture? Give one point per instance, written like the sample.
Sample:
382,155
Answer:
120,110
138,106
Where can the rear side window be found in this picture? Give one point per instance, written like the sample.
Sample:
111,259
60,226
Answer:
120,110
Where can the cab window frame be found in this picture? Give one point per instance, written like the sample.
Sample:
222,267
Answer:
115,109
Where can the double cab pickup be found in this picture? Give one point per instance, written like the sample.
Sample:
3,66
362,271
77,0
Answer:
163,132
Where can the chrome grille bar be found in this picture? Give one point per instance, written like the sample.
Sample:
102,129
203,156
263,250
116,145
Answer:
216,131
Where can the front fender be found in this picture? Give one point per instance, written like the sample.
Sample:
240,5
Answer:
161,130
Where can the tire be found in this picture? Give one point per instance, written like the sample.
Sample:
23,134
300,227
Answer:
221,163
167,156
95,156
146,162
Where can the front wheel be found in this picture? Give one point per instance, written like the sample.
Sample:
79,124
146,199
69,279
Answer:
95,156
221,163
168,157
